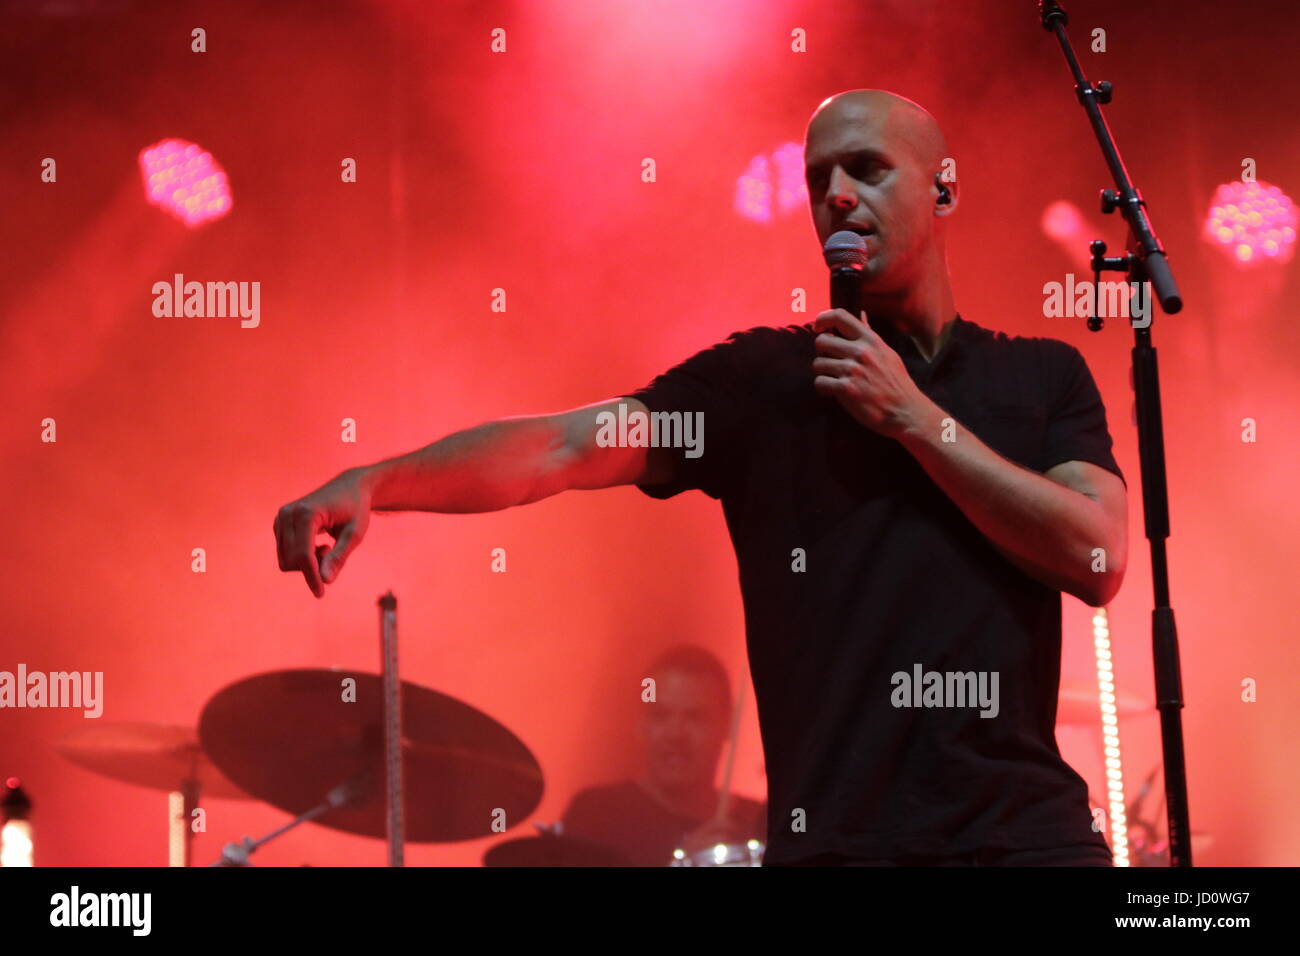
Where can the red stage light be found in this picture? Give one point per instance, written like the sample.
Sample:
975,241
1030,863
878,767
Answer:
185,181
754,191
791,190
1062,221
772,184
1252,222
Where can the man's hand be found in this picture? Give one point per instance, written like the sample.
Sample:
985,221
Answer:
867,377
341,509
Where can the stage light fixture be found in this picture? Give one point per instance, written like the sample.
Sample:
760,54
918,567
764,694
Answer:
183,180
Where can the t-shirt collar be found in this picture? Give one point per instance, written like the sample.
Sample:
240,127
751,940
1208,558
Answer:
902,343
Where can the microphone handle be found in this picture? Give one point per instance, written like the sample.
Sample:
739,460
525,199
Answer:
846,290
846,294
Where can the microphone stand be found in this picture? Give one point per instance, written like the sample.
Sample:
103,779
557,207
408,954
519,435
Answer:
1147,267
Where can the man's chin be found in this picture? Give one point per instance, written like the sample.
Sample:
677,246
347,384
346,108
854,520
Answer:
879,281
877,271
674,777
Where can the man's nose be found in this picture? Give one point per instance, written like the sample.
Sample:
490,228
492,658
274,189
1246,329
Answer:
840,193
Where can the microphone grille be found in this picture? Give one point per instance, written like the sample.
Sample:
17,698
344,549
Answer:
845,248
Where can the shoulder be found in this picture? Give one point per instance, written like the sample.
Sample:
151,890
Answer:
1036,368
1038,350
747,357
764,340
593,800
607,791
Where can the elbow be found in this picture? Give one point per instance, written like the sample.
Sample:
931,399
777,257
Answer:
1105,565
1100,593
1100,587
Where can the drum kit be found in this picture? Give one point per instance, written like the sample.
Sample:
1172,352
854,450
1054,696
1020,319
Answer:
363,753
370,755
310,742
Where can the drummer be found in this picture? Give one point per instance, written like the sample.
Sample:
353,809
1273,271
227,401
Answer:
672,802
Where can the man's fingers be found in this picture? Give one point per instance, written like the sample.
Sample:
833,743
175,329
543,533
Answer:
829,385
283,528
279,542
840,321
836,347
836,367
298,524
311,570
346,543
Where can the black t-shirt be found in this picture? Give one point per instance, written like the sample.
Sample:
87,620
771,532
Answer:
896,577
623,817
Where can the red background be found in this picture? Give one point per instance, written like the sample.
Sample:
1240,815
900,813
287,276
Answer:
522,171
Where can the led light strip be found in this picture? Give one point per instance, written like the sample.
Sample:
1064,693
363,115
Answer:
1110,738
176,828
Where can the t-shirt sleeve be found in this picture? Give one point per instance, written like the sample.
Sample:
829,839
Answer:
710,388
1076,429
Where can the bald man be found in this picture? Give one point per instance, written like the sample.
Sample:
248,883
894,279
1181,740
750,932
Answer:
908,494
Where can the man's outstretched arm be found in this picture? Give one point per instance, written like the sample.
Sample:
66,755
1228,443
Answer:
497,465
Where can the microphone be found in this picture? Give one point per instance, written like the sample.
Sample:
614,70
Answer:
846,255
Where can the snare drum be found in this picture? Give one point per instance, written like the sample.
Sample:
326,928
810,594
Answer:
749,853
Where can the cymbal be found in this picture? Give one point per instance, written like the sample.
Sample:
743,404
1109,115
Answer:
1079,704
290,737
158,756
547,850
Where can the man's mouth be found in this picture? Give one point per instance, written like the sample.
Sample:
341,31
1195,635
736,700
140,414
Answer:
861,230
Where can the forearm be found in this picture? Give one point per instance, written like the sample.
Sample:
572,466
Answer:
486,468
1047,530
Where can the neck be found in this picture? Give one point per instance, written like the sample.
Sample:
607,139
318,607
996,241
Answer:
692,800
923,311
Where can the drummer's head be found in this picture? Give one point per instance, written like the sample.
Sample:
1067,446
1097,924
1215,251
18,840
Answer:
684,729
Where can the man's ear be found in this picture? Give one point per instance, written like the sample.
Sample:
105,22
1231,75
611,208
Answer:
945,195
